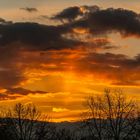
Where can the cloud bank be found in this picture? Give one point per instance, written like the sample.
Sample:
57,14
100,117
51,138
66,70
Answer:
77,44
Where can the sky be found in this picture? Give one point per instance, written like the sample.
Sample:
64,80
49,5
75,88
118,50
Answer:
57,53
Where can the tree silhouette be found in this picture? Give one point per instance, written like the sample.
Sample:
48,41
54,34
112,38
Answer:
24,122
111,116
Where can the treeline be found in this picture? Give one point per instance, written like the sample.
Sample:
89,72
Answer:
25,122
112,116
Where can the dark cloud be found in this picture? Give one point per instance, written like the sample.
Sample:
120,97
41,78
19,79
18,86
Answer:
3,21
11,77
19,37
14,93
10,74
29,9
102,21
111,20
118,60
94,19
35,36
4,96
27,46
23,91
69,14
118,68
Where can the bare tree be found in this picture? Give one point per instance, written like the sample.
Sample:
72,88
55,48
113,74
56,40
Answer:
94,118
111,116
25,122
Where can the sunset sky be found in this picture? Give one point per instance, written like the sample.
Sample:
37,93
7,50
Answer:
56,53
